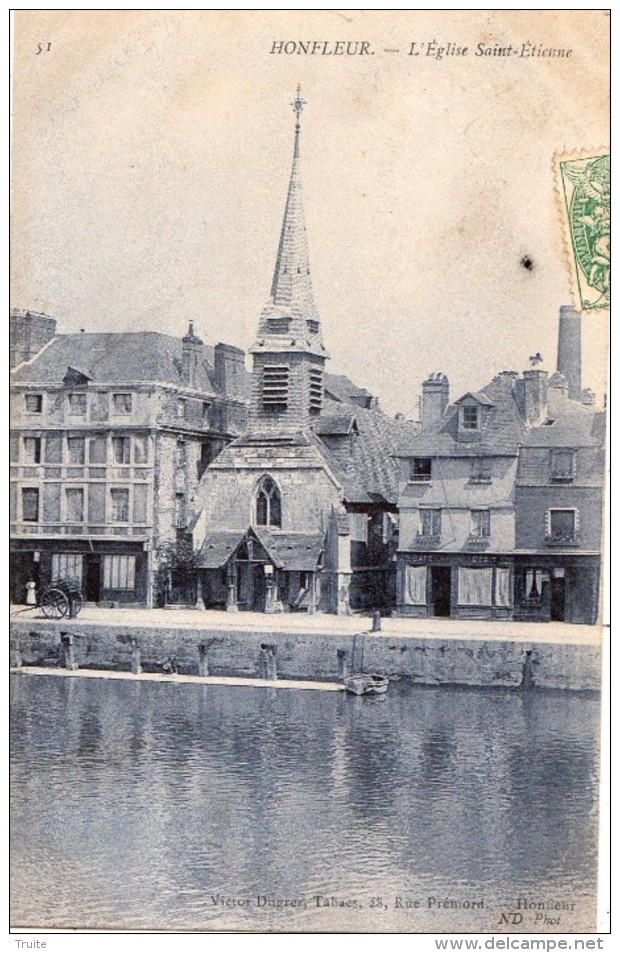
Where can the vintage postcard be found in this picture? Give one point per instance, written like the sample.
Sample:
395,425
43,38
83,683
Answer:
309,339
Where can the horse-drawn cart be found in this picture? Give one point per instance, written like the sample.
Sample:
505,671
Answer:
63,597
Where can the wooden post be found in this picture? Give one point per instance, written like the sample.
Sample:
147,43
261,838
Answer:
231,598
200,602
68,654
136,661
203,661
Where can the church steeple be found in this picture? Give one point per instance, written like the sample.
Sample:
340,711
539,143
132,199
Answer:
289,354
290,319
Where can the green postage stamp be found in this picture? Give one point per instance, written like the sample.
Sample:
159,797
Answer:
584,183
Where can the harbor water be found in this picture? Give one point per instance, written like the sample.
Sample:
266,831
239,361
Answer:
154,806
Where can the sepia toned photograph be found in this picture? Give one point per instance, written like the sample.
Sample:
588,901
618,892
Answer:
309,345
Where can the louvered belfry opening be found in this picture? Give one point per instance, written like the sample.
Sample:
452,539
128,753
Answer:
289,354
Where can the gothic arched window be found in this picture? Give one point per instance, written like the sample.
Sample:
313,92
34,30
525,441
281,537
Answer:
268,504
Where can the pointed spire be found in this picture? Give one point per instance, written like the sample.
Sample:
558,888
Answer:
290,317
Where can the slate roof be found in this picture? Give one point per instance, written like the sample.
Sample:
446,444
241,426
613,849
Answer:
368,470
578,426
339,387
502,431
217,548
115,358
292,551
335,425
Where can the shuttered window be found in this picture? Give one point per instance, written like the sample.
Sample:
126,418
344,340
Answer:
119,572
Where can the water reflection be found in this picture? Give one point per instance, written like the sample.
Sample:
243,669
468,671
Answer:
144,805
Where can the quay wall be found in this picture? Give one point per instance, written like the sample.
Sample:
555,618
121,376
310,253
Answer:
426,660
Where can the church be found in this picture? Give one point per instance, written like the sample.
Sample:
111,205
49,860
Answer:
299,513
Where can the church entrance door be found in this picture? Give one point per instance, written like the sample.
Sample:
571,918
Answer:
251,586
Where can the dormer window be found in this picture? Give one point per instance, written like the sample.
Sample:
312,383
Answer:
470,417
268,504
313,326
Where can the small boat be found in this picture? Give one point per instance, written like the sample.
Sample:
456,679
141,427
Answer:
366,684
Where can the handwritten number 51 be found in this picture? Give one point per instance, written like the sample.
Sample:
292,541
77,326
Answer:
43,47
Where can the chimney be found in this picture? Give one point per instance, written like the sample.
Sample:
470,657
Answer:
191,354
229,371
569,349
533,391
557,393
29,331
435,396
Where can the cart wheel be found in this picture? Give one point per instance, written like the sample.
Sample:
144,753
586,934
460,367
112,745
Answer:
54,603
77,603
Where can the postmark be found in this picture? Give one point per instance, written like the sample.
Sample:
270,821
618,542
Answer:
584,189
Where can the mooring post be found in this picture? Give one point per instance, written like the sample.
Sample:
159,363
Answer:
136,660
376,621
68,654
267,664
203,660
343,665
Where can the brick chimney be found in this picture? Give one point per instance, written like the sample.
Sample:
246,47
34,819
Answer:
532,392
435,397
191,355
229,371
29,331
569,349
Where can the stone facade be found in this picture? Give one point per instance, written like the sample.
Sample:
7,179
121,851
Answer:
108,444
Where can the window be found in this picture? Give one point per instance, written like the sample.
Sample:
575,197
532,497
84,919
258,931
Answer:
77,405
268,504
140,449
30,505
119,572
34,403
469,418
480,523
180,520
420,469
481,470
76,450
278,325
97,449
120,506
74,505
182,407
206,406
415,586
121,403
475,586
32,450
561,526
430,522
534,581
316,390
503,595
67,566
121,449
313,326
562,466
181,454
275,387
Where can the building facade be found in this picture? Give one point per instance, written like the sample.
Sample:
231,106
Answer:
110,434
559,514
500,499
299,513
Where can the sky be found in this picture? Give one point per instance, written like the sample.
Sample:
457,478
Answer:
151,156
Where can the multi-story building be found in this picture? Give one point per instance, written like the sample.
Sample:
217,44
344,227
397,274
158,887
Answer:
456,501
559,512
298,513
110,434
500,500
